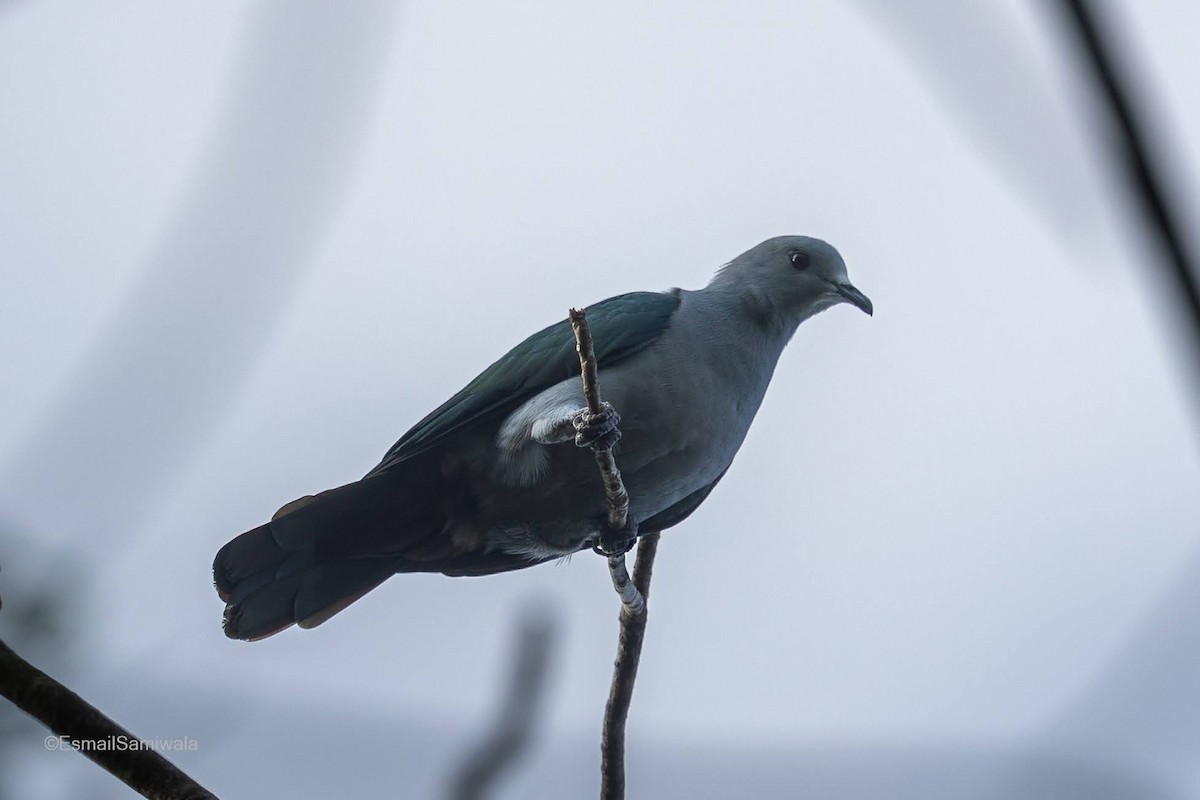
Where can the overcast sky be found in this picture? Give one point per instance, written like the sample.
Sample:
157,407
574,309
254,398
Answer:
245,248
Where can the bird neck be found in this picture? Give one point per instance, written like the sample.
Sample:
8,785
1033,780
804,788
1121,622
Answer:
741,331
753,310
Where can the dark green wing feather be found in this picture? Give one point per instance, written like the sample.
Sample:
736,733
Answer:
620,326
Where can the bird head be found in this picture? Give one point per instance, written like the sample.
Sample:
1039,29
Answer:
791,278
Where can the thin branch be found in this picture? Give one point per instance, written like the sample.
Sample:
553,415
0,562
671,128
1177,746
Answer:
509,738
83,726
625,668
633,602
614,487
633,592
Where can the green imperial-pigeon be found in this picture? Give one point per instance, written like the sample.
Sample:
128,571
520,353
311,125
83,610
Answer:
501,476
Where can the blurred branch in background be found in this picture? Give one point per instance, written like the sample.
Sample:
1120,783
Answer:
265,189
79,723
1132,149
984,70
512,731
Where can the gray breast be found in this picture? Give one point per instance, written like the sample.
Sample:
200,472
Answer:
687,403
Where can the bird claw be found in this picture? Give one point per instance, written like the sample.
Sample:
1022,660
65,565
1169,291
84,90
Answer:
598,431
615,543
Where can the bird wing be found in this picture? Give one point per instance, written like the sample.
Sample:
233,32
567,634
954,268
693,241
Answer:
620,326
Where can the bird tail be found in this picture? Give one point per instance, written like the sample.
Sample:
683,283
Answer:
322,552
267,587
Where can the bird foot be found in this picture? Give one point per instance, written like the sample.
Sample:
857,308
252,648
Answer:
598,431
610,550
616,543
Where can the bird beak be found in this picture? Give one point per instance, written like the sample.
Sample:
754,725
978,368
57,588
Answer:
855,298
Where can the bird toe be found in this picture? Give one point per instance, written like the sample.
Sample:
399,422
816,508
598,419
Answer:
598,431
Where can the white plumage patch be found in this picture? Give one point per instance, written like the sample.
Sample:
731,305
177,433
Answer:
545,419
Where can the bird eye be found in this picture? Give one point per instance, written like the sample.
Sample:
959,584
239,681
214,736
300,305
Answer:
800,259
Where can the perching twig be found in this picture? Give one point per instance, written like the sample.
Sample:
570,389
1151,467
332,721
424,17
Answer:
83,727
614,487
629,654
633,602
509,738
633,592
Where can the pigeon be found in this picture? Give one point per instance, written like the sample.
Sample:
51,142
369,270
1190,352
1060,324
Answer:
502,475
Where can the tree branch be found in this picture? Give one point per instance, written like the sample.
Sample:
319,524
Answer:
70,716
633,599
614,487
625,667
633,592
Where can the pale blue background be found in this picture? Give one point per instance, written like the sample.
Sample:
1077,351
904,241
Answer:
243,248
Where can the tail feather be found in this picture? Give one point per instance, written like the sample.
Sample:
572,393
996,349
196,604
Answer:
321,553
331,587
385,513
266,610
253,553
268,588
